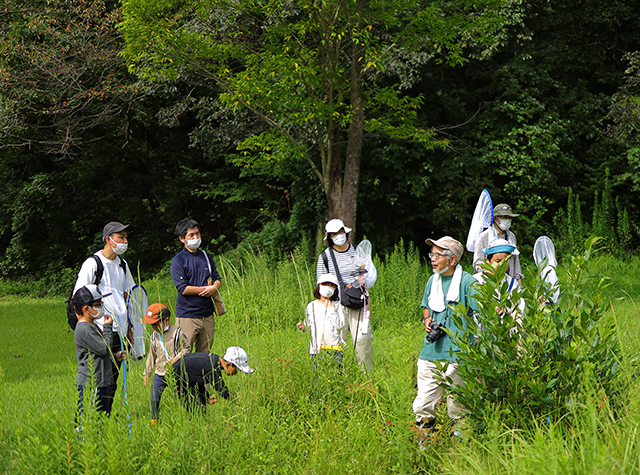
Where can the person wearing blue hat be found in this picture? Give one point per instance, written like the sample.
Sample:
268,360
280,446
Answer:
500,229
497,251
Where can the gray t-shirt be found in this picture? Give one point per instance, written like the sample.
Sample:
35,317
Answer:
93,353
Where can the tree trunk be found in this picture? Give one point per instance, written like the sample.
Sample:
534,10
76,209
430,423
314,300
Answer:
351,180
342,190
333,184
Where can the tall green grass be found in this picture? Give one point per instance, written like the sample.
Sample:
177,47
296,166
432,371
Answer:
286,418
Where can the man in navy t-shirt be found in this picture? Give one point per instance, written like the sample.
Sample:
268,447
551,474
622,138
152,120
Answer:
195,276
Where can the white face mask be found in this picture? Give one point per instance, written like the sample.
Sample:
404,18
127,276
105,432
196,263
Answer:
504,224
193,244
166,326
120,248
326,291
100,311
339,239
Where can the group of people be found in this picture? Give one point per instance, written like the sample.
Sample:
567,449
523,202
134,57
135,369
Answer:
450,285
332,315
340,308
103,331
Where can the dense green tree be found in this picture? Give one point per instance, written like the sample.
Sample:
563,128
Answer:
61,78
319,75
527,125
81,145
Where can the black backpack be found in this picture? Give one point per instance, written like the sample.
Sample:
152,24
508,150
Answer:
71,311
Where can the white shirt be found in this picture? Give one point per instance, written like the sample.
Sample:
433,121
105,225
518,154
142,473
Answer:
324,324
113,281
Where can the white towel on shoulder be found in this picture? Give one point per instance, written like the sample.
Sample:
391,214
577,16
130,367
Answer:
436,296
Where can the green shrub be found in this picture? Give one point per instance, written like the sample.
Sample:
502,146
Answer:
540,369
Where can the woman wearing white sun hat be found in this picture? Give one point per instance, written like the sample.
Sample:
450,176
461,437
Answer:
339,260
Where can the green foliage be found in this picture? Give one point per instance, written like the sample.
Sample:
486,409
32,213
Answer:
62,77
286,418
623,228
610,221
625,107
543,363
317,77
571,226
401,280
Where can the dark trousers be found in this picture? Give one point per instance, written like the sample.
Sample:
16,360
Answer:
159,383
115,365
193,395
103,398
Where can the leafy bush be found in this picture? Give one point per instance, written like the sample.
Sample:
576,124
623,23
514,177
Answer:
541,368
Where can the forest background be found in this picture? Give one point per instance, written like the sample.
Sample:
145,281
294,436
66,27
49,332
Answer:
540,108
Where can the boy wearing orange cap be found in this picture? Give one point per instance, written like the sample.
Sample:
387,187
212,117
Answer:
168,345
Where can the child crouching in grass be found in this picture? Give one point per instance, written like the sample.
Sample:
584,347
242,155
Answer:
325,320
93,349
196,371
168,345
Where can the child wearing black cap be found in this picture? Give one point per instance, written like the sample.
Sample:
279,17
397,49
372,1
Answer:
93,351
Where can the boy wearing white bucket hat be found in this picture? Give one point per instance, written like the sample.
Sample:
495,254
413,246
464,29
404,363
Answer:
195,370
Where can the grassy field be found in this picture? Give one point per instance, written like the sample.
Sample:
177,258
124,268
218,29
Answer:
284,420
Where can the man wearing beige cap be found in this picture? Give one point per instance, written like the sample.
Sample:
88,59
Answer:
449,285
502,216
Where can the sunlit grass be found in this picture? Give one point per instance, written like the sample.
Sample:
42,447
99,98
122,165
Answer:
285,419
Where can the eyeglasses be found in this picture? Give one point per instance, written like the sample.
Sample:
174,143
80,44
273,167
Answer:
435,255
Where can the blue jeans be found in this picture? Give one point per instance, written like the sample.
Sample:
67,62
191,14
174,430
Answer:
325,357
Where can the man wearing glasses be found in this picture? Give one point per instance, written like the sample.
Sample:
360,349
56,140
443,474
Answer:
449,285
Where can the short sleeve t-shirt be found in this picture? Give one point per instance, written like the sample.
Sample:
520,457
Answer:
443,348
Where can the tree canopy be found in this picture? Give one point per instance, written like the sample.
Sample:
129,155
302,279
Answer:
262,119
320,76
